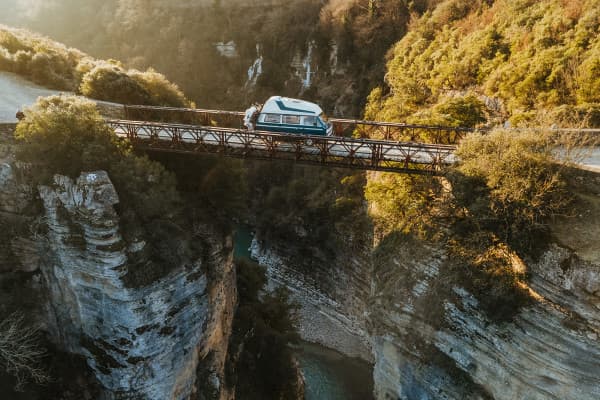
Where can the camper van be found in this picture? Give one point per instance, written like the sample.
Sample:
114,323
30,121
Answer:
282,114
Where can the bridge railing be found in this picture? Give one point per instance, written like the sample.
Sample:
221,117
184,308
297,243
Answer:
335,151
191,116
341,127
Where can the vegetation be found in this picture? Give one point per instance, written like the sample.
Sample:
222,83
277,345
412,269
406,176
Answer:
349,41
401,202
21,353
320,210
523,59
518,176
66,135
492,212
55,66
261,364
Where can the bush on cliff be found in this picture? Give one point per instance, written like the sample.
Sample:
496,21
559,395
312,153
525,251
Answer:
399,202
66,135
111,82
525,58
519,176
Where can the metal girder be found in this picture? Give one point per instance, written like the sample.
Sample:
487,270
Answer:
341,127
334,151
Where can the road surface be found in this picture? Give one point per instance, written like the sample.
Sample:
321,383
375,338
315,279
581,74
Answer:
17,93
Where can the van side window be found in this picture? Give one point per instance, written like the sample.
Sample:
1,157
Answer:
273,118
291,119
310,121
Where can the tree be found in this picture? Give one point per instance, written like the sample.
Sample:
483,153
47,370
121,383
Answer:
66,135
20,351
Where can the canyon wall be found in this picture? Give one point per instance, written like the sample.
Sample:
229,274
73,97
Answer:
331,295
431,345
164,340
429,336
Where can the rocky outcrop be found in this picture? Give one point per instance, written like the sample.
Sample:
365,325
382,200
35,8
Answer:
431,345
150,342
143,342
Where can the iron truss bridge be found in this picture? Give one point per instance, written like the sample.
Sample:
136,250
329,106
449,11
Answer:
341,127
335,151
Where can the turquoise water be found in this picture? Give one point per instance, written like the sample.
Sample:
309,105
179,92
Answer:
241,243
328,374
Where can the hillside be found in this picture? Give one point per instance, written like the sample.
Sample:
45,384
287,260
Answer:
472,62
343,41
56,66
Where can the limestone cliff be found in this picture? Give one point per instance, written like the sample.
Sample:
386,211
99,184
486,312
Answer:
164,340
429,335
145,341
332,295
549,351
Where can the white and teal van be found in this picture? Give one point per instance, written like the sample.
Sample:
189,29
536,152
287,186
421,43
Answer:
282,114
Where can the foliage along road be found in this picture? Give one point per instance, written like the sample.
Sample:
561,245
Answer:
17,93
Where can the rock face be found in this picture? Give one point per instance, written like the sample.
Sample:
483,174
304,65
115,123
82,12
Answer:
142,342
150,342
429,337
549,351
332,298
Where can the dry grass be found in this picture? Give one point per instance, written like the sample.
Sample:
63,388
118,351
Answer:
573,9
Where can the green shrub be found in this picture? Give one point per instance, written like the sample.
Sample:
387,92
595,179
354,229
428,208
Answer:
589,77
111,83
466,111
162,92
399,202
524,180
584,116
11,43
66,135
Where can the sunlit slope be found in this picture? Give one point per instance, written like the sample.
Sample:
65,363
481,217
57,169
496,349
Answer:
55,66
529,62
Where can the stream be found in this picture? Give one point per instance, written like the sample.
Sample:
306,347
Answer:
328,374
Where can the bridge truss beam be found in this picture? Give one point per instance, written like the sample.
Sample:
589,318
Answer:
341,127
365,154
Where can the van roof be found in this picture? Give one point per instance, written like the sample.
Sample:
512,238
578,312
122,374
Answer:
285,105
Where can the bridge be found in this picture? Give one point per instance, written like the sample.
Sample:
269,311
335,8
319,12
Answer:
194,131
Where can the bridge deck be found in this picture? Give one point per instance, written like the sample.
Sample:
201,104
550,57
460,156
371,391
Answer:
366,154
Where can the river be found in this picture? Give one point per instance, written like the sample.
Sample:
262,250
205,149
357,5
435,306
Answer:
328,374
